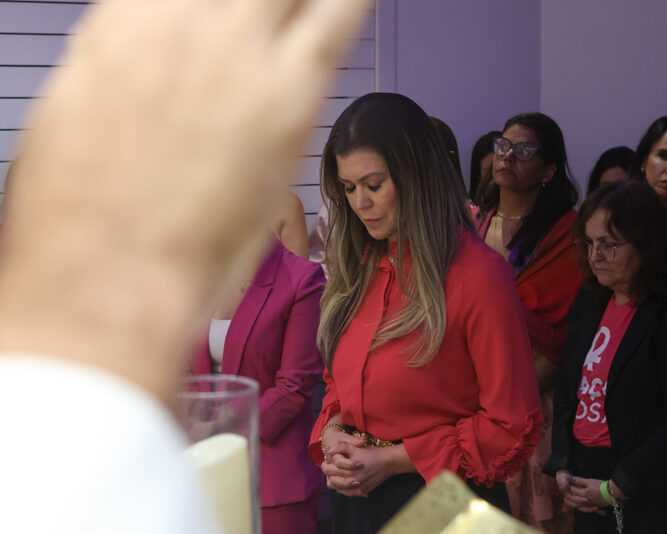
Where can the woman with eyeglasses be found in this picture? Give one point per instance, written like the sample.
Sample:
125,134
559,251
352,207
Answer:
527,216
610,416
422,373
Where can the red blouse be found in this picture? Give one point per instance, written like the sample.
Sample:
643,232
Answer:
475,408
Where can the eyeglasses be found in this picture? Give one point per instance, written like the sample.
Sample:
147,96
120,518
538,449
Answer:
606,250
524,151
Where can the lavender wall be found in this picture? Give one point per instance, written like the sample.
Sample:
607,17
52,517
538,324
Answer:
472,63
596,66
604,77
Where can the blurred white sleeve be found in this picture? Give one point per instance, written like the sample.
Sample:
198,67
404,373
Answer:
85,451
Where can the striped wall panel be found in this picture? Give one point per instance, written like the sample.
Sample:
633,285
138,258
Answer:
32,37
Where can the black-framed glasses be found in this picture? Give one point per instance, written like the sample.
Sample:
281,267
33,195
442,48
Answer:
524,151
606,250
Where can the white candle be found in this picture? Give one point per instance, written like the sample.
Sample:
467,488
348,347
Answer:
222,464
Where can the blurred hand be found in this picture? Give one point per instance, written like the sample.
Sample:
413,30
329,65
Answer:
145,178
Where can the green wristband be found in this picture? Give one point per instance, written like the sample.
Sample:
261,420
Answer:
605,493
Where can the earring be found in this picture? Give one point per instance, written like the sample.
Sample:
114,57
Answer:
544,183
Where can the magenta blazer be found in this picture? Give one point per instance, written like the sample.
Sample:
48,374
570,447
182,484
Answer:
272,339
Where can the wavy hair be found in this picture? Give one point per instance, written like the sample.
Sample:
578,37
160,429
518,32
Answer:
432,213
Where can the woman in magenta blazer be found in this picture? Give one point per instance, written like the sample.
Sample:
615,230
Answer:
271,338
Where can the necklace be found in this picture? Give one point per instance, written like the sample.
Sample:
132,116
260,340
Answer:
507,217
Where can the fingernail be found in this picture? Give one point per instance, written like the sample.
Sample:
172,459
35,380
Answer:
358,464
356,483
326,449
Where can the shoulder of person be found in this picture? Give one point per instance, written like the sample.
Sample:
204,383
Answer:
299,268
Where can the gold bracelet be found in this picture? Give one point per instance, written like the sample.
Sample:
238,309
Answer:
338,427
327,426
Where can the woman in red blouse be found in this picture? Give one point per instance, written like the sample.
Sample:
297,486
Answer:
428,360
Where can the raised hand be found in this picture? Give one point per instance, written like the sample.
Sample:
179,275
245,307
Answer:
145,178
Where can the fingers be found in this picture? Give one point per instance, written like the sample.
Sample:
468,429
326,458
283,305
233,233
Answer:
338,465
333,438
576,502
324,26
564,480
579,491
345,449
342,483
271,16
342,462
562,487
312,45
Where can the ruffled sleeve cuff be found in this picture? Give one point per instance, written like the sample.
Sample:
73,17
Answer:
314,447
474,451
508,462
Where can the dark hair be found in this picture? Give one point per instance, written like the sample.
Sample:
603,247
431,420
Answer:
652,135
449,140
619,156
483,147
554,199
637,215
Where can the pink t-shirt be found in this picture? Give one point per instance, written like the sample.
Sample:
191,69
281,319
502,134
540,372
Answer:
590,424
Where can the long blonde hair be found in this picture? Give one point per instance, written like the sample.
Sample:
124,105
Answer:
433,211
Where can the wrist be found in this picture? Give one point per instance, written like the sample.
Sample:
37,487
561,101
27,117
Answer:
604,491
330,425
396,460
616,492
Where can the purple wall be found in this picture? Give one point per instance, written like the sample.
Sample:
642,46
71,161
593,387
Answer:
597,67
472,63
604,78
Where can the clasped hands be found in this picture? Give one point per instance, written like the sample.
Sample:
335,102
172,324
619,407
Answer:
351,467
583,494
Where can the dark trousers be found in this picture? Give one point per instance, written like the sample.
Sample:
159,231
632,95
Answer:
359,515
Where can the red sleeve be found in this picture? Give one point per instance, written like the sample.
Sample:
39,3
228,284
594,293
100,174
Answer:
300,364
330,407
549,338
493,443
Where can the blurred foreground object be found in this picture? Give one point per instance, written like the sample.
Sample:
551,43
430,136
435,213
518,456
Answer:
447,506
219,414
148,172
140,198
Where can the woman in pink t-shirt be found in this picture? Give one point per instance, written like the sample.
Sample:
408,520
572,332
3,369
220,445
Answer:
610,415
